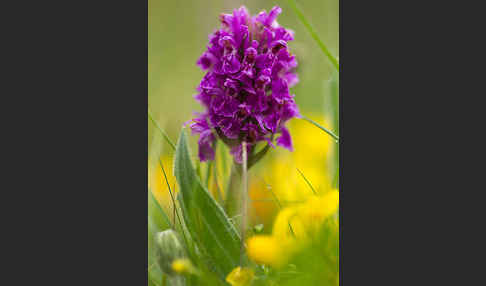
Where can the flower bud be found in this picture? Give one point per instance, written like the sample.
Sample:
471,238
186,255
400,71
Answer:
168,248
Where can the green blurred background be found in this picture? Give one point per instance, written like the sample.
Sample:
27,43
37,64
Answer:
178,34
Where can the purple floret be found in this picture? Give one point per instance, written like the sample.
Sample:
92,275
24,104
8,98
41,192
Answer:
246,88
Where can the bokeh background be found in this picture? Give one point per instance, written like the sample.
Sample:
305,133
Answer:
178,34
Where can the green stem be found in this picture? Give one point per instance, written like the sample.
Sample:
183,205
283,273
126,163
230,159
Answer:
244,203
313,33
238,181
233,191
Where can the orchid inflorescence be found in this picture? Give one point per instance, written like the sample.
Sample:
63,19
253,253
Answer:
245,91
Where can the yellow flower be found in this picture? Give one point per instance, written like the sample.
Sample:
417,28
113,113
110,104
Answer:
240,276
292,229
313,151
301,221
182,266
265,249
264,209
311,144
289,225
319,208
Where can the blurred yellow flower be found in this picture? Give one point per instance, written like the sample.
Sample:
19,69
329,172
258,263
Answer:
182,266
311,143
292,229
289,225
301,222
240,276
313,151
265,249
319,208
263,207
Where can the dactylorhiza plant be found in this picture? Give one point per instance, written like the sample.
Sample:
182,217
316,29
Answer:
245,91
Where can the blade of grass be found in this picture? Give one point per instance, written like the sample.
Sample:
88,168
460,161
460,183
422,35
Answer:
277,201
166,137
322,128
334,86
174,204
170,192
313,33
307,181
280,207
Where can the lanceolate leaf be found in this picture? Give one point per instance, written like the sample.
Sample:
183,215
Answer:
157,213
208,224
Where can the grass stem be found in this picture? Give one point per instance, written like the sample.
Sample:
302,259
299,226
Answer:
174,205
307,181
322,128
166,137
313,33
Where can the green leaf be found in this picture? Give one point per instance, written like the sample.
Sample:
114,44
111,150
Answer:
157,214
206,221
181,228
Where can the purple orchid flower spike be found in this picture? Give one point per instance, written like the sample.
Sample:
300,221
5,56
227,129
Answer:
245,91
